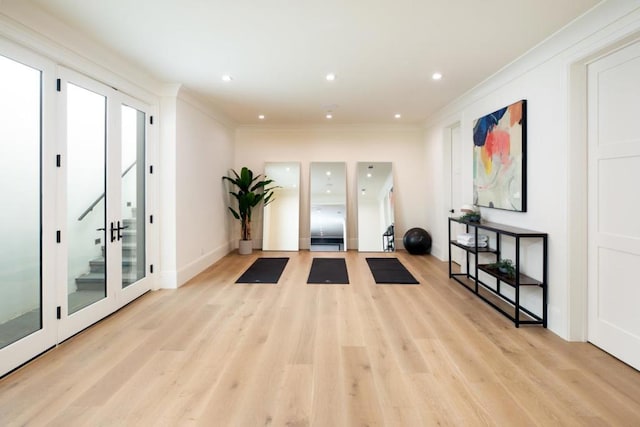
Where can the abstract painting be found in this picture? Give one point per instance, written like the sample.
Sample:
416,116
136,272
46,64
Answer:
499,159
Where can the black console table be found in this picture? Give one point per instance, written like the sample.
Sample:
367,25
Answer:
492,293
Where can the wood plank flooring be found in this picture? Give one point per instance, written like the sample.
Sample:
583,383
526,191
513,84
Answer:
217,353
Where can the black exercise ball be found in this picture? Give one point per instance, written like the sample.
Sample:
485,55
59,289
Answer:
417,241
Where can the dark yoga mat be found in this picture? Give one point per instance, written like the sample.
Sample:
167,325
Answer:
390,271
329,271
264,270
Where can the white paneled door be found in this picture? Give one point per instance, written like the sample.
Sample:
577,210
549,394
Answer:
457,254
614,204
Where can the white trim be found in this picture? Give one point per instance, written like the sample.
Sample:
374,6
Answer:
31,27
613,17
192,98
168,279
200,264
249,129
577,236
167,186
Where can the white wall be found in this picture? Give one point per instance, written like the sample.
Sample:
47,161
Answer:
544,78
401,145
203,154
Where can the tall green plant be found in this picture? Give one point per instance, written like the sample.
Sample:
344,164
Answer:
250,191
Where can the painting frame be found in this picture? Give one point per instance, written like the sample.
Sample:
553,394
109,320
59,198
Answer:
500,158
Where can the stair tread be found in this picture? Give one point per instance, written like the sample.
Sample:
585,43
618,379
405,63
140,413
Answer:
96,275
99,277
125,260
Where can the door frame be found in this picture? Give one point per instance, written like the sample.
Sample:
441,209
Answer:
447,154
577,191
71,324
116,296
135,290
16,47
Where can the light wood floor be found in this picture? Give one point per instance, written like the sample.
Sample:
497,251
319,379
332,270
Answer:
217,353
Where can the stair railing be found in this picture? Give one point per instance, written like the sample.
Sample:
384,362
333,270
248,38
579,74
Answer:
93,205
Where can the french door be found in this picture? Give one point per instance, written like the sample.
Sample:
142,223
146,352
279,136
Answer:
27,216
103,151
74,222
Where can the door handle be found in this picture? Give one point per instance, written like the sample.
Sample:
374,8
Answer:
120,229
113,231
452,210
116,231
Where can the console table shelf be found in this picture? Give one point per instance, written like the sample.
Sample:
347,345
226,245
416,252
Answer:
493,295
524,280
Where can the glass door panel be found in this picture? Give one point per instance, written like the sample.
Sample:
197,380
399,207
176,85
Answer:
133,195
86,186
20,216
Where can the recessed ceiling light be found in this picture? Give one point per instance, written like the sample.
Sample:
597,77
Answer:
329,116
328,191
436,76
330,77
369,175
397,115
328,173
226,78
261,116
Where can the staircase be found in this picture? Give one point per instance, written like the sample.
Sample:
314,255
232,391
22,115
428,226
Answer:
94,280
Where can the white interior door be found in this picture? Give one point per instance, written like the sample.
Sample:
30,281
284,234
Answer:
614,203
455,146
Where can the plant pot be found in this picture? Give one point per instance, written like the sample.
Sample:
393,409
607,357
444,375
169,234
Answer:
245,247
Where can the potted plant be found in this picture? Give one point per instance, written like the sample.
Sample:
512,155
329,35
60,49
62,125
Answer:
471,217
504,266
249,191
470,213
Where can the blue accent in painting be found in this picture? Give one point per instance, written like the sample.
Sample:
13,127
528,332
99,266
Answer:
484,125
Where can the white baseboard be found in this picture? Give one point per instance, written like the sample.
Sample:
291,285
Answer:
436,251
200,264
173,279
168,280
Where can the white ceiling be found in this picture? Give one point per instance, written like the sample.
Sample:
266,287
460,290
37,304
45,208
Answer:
278,52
